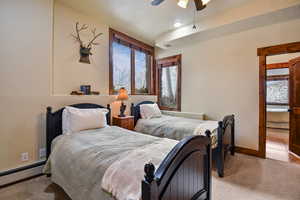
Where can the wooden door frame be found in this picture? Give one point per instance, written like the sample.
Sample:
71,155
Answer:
263,53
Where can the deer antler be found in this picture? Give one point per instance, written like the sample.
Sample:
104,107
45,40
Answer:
77,36
95,37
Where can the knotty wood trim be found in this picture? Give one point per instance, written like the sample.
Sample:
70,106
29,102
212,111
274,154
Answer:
131,40
247,151
132,70
133,44
278,65
262,106
279,49
278,77
153,78
296,111
263,53
111,81
294,61
169,61
277,104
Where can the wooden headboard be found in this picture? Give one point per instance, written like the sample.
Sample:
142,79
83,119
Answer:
54,122
135,110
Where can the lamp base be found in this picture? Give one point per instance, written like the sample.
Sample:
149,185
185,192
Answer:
122,110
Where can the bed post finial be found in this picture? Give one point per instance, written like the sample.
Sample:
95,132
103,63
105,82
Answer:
49,109
132,110
108,106
149,172
208,133
220,124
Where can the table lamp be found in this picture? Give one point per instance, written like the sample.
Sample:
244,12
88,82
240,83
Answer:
122,96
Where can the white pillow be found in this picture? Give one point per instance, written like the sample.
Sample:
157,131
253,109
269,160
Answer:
149,111
75,119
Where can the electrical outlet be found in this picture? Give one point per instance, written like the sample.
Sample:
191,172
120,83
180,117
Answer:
42,153
24,156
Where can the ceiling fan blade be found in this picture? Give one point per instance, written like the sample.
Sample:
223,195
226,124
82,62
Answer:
199,5
156,2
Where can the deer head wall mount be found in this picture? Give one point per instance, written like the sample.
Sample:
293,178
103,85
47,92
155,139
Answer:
85,49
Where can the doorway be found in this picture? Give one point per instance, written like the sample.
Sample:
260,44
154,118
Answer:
277,109
279,135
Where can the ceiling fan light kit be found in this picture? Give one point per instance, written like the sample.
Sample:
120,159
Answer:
200,4
183,3
205,2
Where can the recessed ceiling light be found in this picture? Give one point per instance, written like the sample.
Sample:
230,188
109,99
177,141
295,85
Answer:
177,24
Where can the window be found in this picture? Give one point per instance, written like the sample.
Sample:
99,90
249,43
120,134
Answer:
131,65
142,63
168,86
278,92
122,67
169,83
278,87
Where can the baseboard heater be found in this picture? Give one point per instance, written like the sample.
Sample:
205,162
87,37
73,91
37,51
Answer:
15,175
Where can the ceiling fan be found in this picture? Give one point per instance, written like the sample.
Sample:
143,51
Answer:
200,4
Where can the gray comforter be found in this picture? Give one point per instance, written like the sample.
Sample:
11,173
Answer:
175,128
78,161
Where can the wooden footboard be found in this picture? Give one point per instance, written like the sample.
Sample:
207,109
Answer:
185,174
226,142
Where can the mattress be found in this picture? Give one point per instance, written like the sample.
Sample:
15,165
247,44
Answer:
176,128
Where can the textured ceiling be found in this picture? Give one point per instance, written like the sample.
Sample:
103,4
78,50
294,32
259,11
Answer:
140,19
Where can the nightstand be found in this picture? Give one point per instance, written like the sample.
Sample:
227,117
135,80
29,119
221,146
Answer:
124,122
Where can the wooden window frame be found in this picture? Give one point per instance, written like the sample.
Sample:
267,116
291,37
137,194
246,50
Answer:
263,53
278,65
168,62
133,44
278,77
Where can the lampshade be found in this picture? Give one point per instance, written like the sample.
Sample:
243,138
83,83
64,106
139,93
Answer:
205,2
122,94
183,3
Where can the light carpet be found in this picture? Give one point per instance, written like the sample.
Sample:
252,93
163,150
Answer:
246,178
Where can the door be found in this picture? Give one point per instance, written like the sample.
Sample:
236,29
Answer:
295,106
169,83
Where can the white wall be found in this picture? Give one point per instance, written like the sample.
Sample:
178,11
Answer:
25,82
69,74
220,73
27,73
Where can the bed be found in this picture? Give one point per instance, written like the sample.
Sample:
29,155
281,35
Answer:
80,161
180,127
